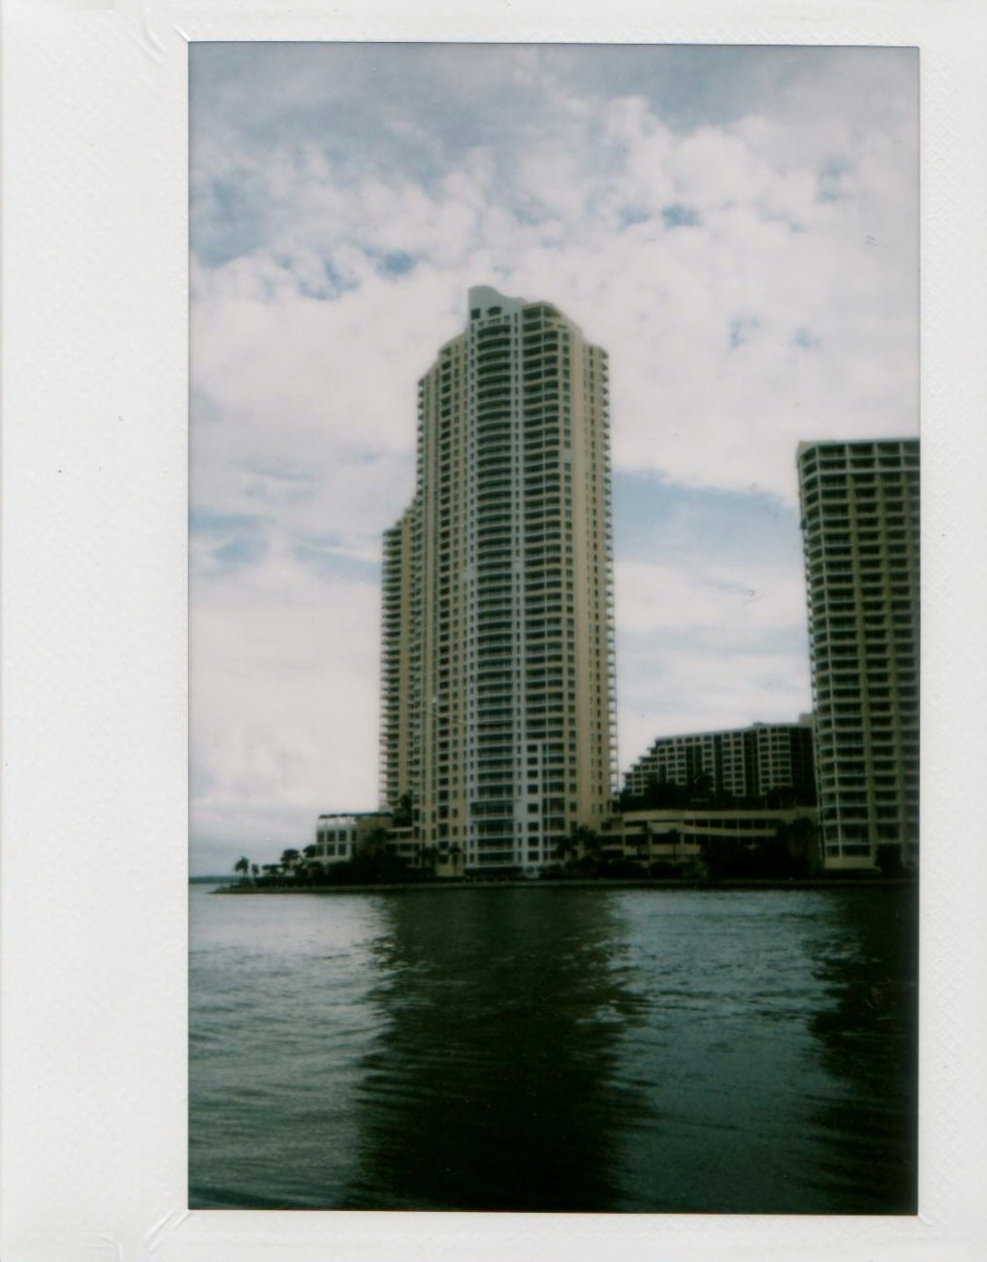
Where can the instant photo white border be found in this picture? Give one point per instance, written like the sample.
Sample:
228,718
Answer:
94,898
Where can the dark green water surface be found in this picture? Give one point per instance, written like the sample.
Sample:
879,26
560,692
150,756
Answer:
553,1049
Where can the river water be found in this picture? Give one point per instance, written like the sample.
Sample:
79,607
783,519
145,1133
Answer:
547,1049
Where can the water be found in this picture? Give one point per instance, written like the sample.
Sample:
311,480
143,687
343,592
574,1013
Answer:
551,1049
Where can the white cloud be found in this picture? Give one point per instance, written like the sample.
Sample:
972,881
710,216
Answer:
705,646
827,288
696,691
729,605
753,275
283,681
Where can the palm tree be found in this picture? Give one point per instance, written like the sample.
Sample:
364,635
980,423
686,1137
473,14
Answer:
308,871
639,841
242,866
585,840
675,837
567,847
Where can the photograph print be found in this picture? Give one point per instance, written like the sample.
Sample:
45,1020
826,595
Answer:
554,628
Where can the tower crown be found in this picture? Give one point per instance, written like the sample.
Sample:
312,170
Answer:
484,301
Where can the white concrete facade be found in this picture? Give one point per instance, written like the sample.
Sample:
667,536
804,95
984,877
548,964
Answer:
337,836
499,686
742,762
860,520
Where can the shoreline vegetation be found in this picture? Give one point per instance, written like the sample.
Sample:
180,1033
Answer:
841,881
585,859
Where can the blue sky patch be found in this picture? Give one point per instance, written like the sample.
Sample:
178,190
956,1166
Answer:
631,215
832,179
742,329
806,339
679,216
326,559
226,543
397,264
657,521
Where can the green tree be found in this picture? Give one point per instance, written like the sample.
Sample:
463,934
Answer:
403,811
587,845
663,795
801,841
565,849
242,866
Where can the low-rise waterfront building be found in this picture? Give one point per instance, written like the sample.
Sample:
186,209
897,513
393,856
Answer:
338,836
678,836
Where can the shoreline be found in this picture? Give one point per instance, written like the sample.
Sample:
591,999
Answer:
804,883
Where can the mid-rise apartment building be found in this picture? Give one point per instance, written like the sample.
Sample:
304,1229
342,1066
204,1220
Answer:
748,762
498,699
860,520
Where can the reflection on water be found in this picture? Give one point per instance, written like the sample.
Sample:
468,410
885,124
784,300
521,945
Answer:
493,1085
551,1049
868,1033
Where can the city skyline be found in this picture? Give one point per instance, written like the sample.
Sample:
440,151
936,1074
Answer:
737,226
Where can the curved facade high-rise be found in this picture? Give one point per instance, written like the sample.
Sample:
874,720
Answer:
498,706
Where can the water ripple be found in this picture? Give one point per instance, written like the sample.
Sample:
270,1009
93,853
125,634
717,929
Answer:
594,1050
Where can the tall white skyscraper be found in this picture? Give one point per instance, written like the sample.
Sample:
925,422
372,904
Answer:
498,701
860,521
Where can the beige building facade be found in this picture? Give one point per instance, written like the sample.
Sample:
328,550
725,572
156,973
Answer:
400,658
678,836
338,836
860,520
498,702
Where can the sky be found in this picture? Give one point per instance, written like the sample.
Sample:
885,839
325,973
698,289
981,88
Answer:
737,227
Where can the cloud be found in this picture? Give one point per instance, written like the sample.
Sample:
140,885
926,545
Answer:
690,690
706,644
722,605
370,270
737,227
283,680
